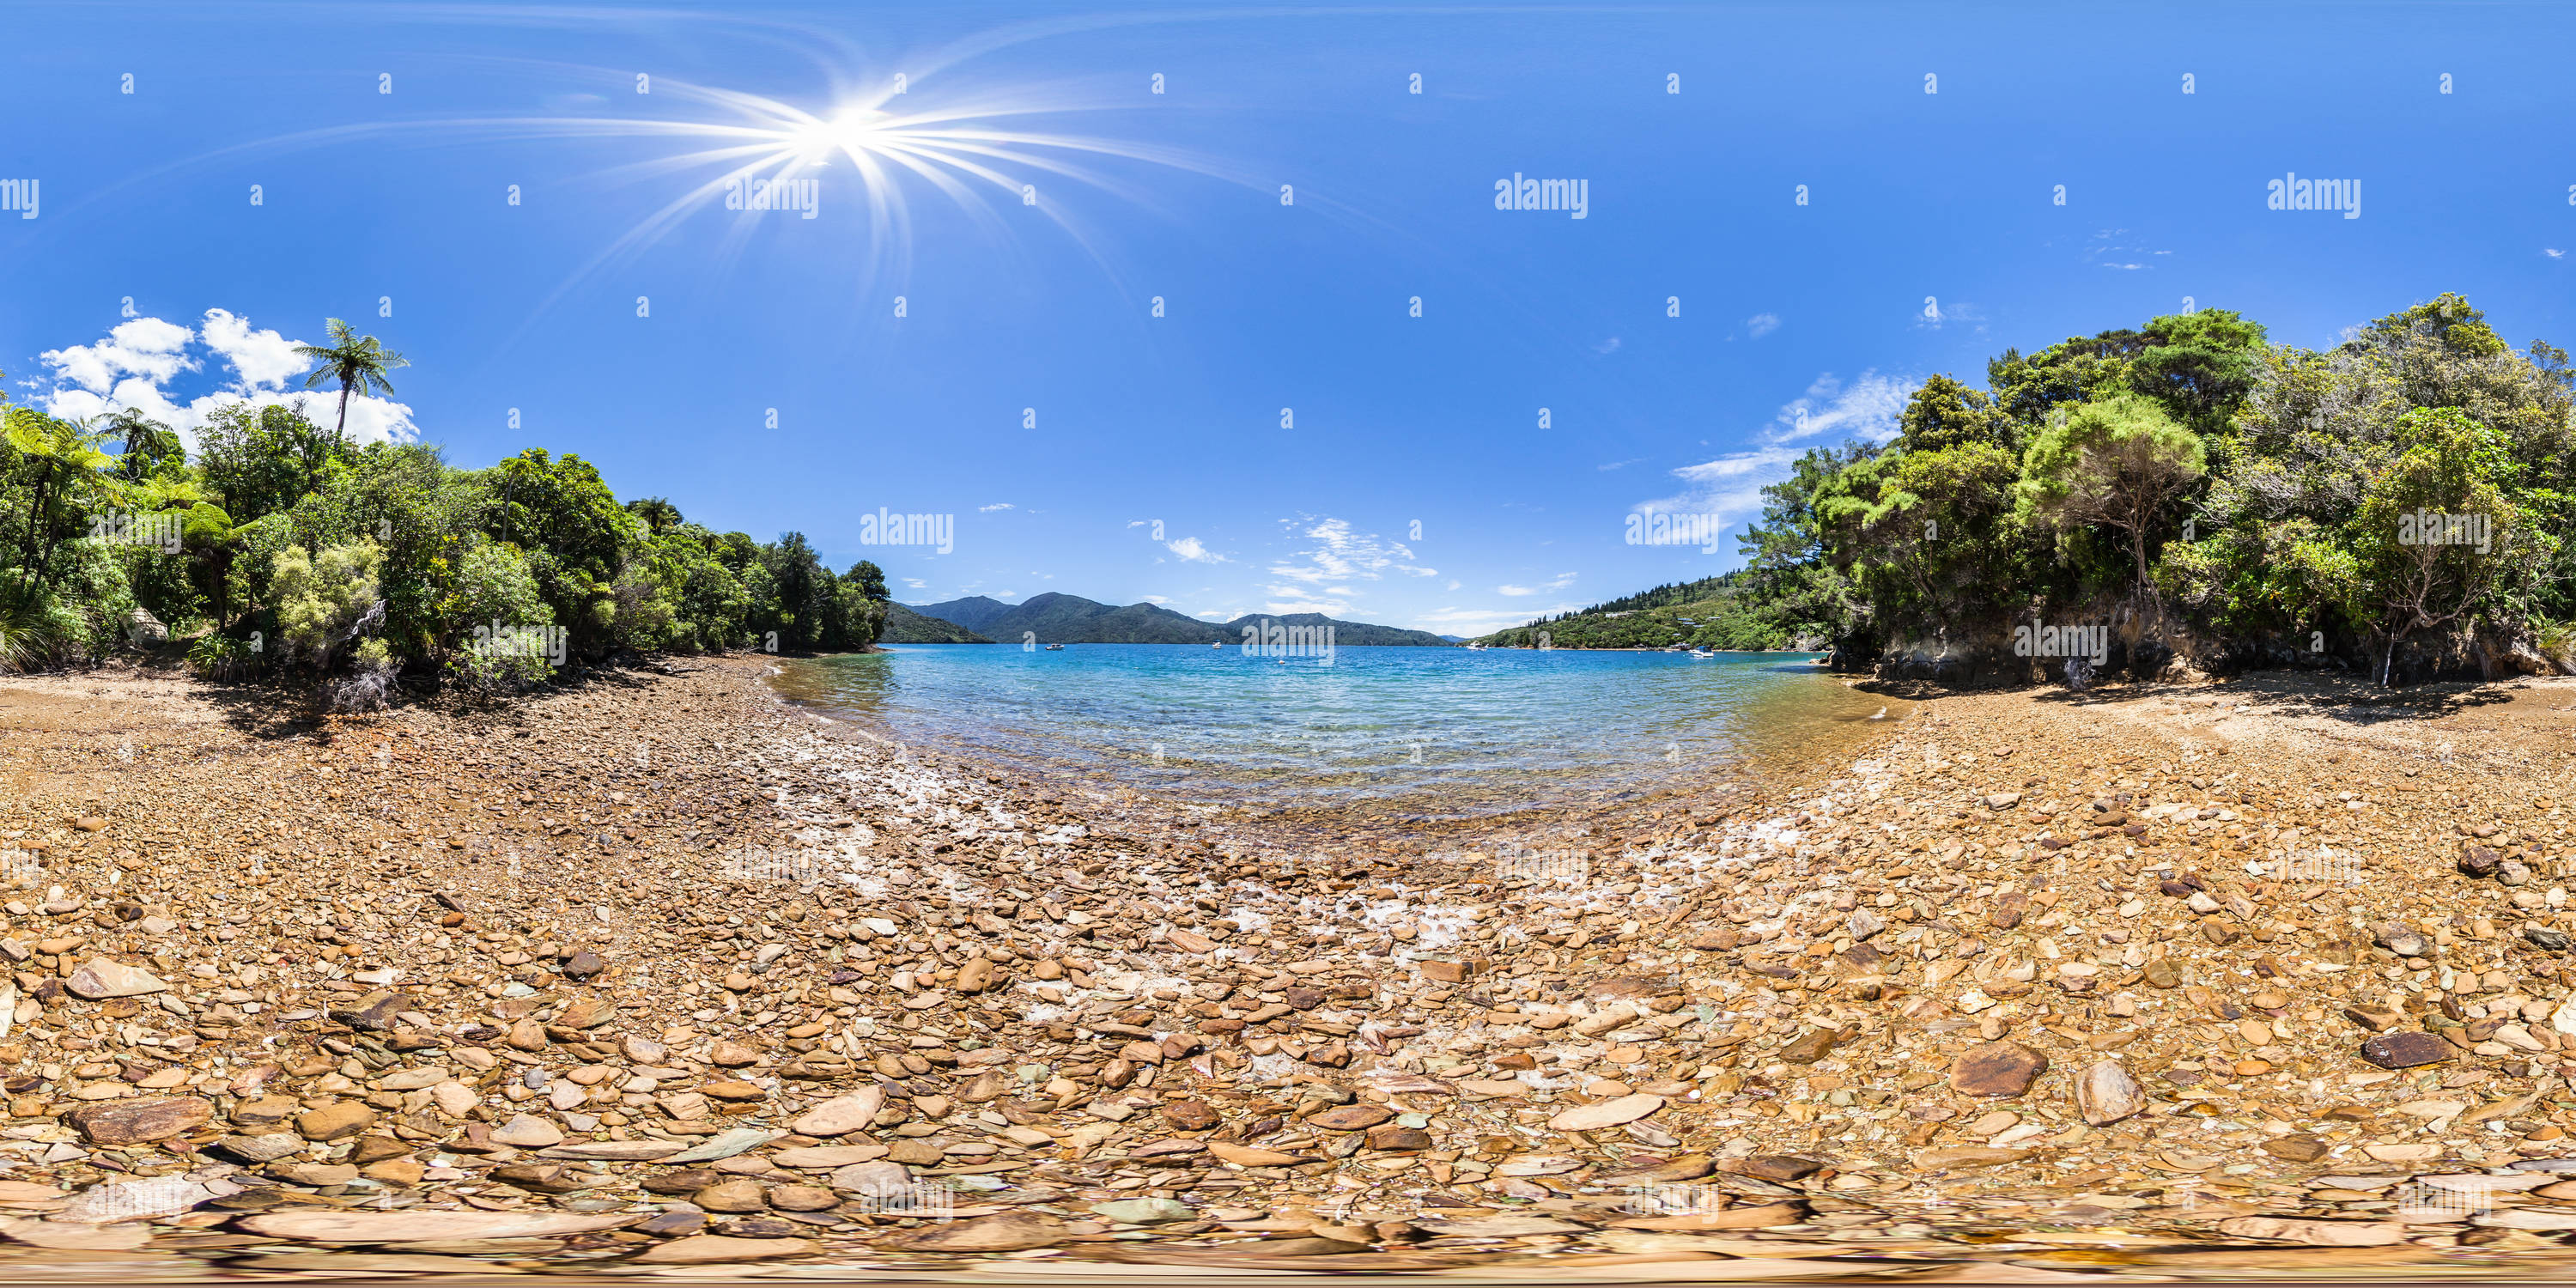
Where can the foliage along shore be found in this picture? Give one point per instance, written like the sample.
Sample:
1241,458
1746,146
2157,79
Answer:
2189,496
274,546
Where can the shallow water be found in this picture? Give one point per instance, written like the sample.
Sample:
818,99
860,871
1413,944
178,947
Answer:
1427,732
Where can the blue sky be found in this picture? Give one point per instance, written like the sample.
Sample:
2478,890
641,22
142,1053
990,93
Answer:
1303,440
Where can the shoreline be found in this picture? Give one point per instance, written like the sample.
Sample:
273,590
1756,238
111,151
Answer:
1843,1009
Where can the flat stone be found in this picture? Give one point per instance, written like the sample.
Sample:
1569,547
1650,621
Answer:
316,1174
155,1196
2527,1219
2108,1093
2405,941
1499,1227
707,1249
875,1180
802,1198
1001,1232
1606,1113
2407,1049
334,1122
527,1131
2300,1148
411,1225
1810,1046
1777,1167
2485,1182
1935,1160
139,1122
1144,1211
69,1236
1351,1117
101,978
841,1115
374,1012
1997,1069
725,1145
741,1194
827,1156
2323,1233
615,1151
1734,1218
259,1149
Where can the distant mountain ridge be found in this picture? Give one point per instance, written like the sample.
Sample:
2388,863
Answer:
904,625
1070,619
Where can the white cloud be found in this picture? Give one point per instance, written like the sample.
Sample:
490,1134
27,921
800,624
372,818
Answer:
916,583
1156,600
1730,486
146,347
1515,590
1192,550
1867,409
1608,346
997,505
1614,465
1762,324
2555,254
264,359
134,366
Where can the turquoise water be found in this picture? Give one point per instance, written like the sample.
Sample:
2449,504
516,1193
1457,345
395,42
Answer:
1429,732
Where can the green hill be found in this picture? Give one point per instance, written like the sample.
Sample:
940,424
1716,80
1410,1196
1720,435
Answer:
907,625
1709,613
1070,619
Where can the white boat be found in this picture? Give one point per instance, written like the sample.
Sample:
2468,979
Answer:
1701,655
1055,648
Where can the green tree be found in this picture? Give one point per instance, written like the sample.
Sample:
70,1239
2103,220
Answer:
870,580
356,361
259,461
2119,463
2417,570
62,462
1942,414
659,515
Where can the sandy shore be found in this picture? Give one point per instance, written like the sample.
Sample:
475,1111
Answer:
655,970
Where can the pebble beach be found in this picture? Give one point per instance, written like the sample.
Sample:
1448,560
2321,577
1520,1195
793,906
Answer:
654,973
